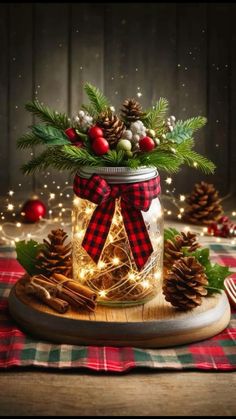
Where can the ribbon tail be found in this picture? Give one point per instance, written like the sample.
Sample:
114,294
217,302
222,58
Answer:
138,236
98,229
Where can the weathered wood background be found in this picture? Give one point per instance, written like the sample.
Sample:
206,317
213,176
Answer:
184,52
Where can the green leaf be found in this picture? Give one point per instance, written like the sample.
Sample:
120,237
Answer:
47,115
50,135
98,102
216,275
202,255
26,255
154,117
170,233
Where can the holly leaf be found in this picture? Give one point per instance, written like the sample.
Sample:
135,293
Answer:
170,233
26,255
202,255
216,275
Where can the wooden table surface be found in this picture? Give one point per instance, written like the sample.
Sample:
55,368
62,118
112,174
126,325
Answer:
138,392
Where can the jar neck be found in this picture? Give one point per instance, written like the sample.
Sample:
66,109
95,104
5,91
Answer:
117,175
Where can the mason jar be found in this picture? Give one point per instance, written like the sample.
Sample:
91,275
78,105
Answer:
116,273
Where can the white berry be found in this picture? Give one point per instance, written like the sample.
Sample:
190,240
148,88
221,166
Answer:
128,134
136,137
81,114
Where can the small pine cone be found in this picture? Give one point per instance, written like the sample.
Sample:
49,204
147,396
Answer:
55,257
131,111
173,248
185,284
112,127
203,205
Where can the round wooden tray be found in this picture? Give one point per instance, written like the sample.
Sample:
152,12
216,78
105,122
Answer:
152,325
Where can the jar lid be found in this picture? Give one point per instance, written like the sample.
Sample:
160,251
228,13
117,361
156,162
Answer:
119,174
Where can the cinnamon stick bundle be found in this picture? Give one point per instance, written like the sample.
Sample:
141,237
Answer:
66,289
61,306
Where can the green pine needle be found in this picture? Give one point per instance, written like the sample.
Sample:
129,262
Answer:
162,160
28,140
47,115
40,162
153,118
98,102
194,123
114,158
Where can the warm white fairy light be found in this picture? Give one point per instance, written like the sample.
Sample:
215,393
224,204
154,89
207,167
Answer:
169,212
181,210
182,198
158,275
145,284
179,216
187,228
88,210
102,293
195,164
10,207
234,213
52,196
18,225
168,180
60,205
11,193
101,264
115,261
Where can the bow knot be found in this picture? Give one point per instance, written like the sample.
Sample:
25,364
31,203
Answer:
135,197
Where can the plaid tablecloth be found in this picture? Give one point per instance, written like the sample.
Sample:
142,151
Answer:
19,349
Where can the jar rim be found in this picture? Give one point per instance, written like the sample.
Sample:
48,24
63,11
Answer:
119,174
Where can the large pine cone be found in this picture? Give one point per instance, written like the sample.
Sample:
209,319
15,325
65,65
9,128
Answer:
173,248
185,284
203,204
55,257
112,127
131,111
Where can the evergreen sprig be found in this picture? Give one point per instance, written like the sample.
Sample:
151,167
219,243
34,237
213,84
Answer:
163,160
98,102
47,115
114,158
40,162
28,140
194,123
153,118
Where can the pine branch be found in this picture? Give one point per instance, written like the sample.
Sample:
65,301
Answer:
180,133
194,123
40,162
90,110
78,157
98,102
154,118
56,119
50,135
28,140
162,160
193,159
114,158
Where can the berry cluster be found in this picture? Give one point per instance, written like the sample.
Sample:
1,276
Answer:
223,228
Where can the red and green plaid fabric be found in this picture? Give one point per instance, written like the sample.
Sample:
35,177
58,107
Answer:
19,349
135,197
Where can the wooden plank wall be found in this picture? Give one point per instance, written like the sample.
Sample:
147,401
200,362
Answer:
185,52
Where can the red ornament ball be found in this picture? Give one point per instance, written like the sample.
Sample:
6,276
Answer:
33,210
95,132
100,146
146,144
71,134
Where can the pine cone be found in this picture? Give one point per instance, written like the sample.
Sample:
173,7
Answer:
55,257
173,248
131,111
112,126
185,284
203,204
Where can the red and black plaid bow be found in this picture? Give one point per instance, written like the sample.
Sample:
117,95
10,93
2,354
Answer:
135,197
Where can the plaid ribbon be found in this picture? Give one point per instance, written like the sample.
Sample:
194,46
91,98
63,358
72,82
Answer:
134,198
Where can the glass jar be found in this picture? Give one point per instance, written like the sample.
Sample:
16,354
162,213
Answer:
115,277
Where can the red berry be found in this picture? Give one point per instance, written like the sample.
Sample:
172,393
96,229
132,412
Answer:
71,134
95,132
100,146
146,144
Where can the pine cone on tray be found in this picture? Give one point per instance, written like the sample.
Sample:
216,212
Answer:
185,284
131,111
112,127
173,248
203,204
55,257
